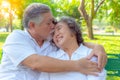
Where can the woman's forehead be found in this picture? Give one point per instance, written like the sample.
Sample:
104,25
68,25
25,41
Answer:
60,23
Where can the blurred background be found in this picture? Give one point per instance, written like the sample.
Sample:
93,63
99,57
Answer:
99,20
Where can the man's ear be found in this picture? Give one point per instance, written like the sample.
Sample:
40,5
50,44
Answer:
31,25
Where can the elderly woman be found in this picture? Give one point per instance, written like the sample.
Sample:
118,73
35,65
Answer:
68,38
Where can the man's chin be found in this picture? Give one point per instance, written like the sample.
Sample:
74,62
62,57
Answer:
49,38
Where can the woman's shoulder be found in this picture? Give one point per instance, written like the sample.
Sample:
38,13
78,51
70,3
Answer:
85,49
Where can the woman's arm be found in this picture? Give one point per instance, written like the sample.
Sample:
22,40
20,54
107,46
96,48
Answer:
98,51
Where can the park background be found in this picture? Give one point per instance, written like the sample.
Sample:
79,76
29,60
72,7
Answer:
99,20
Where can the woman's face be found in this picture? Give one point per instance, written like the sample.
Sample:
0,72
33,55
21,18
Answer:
62,34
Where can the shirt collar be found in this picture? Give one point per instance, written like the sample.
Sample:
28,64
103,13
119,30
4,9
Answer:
77,51
45,44
28,34
60,53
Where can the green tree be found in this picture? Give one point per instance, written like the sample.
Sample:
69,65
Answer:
67,8
12,8
88,9
109,13
113,13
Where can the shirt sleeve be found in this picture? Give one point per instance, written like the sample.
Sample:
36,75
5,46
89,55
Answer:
44,76
17,48
101,76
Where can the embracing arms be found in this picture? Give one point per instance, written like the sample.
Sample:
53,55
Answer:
99,52
48,64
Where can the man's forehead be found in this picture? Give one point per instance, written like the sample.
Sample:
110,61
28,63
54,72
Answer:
50,19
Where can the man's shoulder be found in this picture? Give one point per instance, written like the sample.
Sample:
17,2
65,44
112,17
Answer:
16,35
18,32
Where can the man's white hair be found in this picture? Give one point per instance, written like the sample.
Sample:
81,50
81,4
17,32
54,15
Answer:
34,12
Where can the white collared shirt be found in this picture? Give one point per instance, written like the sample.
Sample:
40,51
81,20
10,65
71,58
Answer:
81,52
18,46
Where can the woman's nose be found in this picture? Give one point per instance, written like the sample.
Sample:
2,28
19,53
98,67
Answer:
57,34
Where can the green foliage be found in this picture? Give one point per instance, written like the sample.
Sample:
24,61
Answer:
17,24
109,29
109,13
2,40
3,21
113,78
111,43
0,54
69,8
3,36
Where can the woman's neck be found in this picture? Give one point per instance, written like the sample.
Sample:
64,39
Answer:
70,48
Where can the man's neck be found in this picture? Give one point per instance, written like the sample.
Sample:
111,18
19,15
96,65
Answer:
39,42
38,39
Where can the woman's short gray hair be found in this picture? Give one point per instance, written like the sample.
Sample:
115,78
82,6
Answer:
34,13
74,27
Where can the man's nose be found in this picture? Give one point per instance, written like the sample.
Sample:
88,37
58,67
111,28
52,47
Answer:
53,26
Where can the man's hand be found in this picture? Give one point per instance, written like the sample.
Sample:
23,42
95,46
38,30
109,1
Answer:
88,67
100,53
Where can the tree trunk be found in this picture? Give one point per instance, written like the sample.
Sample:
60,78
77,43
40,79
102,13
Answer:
22,28
89,17
10,24
90,30
10,19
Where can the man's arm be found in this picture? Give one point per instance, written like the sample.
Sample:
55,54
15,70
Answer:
99,51
101,75
48,64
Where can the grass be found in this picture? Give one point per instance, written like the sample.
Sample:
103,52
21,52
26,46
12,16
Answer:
0,54
111,44
2,39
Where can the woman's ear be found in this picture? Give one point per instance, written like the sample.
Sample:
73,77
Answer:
73,33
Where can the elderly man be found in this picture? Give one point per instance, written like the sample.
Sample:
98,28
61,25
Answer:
24,52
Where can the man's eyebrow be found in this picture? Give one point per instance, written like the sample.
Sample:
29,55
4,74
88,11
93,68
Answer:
52,19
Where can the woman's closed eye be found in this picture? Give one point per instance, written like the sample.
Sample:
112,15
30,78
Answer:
58,27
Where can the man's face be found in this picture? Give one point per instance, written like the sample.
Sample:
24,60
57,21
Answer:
44,29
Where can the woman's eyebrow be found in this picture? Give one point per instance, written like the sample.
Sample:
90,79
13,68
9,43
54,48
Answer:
56,27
